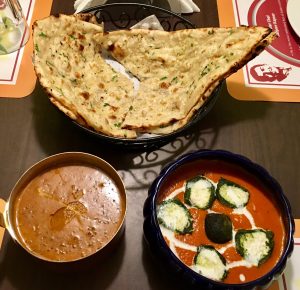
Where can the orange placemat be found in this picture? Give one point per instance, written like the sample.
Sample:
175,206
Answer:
19,78
2,230
275,74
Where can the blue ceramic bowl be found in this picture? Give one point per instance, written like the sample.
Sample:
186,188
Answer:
159,247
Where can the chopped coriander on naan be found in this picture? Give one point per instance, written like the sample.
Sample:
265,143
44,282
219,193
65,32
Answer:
79,82
177,71
177,68
162,130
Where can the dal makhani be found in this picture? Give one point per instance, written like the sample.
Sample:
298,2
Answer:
68,212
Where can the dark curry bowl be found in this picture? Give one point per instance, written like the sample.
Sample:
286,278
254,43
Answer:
159,246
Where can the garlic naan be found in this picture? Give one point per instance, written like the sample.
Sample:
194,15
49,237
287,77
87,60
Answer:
177,68
79,82
163,130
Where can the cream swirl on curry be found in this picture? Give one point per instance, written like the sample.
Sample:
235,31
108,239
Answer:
217,222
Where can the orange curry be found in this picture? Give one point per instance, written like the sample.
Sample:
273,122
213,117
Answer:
68,212
261,206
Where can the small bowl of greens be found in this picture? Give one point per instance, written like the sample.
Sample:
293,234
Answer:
207,216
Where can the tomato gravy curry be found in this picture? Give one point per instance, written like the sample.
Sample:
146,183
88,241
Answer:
68,212
221,221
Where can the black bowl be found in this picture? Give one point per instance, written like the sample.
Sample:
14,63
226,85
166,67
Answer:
161,250
122,16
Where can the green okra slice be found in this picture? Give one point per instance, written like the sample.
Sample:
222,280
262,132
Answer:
232,194
210,263
174,215
255,245
199,192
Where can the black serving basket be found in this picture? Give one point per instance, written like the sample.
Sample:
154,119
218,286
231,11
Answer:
124,15
119,16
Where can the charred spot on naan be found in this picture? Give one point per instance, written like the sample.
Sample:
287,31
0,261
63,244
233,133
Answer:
117,51
87,17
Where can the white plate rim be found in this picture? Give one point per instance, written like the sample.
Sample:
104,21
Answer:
292,9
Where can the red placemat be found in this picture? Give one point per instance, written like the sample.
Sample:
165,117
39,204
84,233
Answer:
275,74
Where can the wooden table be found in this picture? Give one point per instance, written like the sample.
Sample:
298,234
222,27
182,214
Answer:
31,129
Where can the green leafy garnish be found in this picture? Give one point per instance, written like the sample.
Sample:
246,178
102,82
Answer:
192,83
163,78
60,90
42,34
118,125
7,22
2,48
175,79
37,47
66,56
205,71
72,36
105,104
49,63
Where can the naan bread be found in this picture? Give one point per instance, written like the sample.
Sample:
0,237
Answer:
177,71
87,17
163,130
177,68
79,82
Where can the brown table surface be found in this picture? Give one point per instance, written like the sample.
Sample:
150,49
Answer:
31,129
